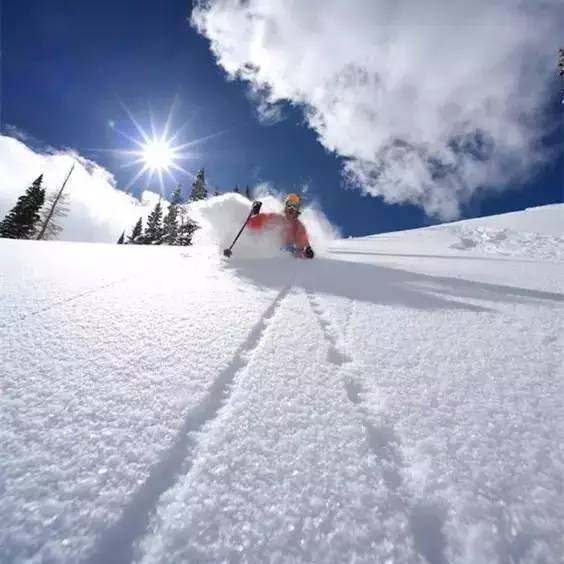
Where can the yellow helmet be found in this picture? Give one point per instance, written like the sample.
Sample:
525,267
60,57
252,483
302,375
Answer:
293,201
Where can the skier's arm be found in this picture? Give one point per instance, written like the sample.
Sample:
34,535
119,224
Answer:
261,220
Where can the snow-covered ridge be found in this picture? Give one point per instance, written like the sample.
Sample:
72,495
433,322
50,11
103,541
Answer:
535,233
545,220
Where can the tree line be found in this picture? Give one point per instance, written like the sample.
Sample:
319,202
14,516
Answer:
175,228
37,215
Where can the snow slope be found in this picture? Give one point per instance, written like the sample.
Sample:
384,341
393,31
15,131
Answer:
399,399
530,234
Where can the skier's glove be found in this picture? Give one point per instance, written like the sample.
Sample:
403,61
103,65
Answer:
308,253
255,210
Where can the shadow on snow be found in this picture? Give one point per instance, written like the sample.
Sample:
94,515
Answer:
382,285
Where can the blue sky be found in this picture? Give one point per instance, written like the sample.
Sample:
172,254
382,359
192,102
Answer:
69,66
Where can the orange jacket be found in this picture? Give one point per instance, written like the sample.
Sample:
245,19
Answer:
293,230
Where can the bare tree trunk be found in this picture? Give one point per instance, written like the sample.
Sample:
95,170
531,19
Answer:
52,210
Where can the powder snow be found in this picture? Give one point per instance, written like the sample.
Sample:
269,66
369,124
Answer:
398,399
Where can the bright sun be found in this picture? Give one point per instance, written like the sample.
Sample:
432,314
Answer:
158,155
157,152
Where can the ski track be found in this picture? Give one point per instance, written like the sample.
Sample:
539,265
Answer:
116,545
78,296
426,519
64,301
281,501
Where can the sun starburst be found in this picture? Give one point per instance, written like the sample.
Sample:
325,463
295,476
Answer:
157,151
159,155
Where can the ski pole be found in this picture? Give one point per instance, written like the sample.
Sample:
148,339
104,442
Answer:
227,252
254,211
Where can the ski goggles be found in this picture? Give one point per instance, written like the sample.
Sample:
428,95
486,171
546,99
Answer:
293,202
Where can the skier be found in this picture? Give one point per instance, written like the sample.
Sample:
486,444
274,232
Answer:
294,234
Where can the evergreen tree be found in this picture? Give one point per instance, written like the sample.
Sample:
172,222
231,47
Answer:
21,221
170,222
248,193
199,190
136,237
176,197
154,232
56,206
186,230
121,239
236,189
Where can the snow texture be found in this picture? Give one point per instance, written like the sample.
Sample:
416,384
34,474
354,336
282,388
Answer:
398,399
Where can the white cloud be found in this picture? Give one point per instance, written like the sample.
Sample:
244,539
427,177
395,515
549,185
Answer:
98,210
427,101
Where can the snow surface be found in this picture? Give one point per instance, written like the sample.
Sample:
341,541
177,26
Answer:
398,399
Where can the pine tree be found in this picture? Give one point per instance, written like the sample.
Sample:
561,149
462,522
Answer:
236,189
21,221
170,222
121,239
56,206
186,230
248,193
136,237
199,190
154,232
176,196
